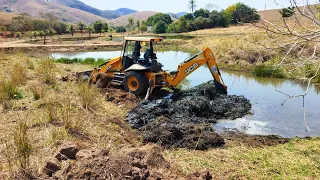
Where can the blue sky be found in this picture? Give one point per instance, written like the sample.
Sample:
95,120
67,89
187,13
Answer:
182,5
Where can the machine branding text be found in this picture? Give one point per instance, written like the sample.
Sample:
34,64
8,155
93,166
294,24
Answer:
191,68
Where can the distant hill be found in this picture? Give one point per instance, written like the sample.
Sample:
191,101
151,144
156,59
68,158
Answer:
84,7
142,16
123,20
124,11
109,14
5,18
181,14
71,11
63,12
274,15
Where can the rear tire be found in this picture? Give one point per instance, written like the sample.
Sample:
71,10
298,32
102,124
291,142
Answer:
136,83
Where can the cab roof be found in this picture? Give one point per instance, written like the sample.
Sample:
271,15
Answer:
144,39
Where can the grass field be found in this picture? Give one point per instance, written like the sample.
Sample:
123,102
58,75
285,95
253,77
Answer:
42,102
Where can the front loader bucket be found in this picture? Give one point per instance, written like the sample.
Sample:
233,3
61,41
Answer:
83,76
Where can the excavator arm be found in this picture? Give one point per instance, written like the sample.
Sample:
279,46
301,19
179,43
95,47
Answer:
192,64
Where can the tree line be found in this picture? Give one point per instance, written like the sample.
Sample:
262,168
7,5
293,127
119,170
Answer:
49,25
203,19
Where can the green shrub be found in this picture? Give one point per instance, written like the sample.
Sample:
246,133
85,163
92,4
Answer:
9,91
100,61
268,71
88,61
65,60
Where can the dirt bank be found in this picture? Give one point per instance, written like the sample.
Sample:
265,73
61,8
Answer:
59,48
185,119
74,162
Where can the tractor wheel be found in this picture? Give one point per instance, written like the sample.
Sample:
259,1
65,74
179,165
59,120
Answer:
135,83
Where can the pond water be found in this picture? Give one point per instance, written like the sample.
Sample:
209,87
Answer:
268,116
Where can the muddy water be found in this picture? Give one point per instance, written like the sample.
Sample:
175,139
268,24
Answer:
268,116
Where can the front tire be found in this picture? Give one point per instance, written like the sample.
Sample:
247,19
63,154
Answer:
136,83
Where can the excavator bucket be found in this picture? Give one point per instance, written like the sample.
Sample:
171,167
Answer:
220,87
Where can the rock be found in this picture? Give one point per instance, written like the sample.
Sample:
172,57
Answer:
51,167
207,176
67,151
91,153
64,78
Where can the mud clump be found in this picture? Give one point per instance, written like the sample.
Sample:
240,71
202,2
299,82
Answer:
239,139
100,164
185,119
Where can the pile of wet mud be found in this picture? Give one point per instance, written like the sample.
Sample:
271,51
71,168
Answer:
185,120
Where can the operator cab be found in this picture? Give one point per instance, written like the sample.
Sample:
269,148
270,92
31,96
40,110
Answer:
139,50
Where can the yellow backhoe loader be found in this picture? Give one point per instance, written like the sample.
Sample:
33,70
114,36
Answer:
140,75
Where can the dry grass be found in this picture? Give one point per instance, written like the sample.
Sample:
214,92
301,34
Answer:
38,90
77,112
18,74
297,159
9,90
47,70
59,115
22,145
87,94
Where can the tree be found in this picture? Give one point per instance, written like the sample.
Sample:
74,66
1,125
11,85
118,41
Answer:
182,24
202,13
90,30
160,27
71,29
98,26
287,12
60,28
138,24
41,34
81,27
120,29
130,23
3,28
189,16
152,20
51,32
226,19
173,28
105,27
21,23
18,35
192,5
35,34
111,30
50,20
143,28
244,14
